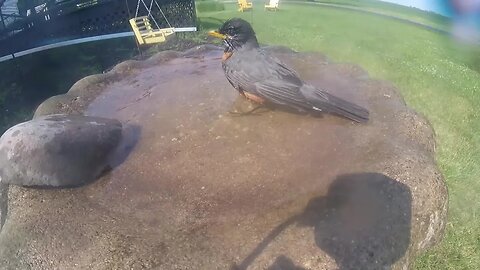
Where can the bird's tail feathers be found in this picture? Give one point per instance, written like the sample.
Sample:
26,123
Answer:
332,104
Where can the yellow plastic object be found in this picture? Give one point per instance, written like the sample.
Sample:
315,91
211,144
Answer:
273,5
145,34
244,5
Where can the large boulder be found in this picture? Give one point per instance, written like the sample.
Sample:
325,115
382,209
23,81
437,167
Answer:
207,189
57,150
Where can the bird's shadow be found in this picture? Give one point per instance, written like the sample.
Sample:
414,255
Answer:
362,223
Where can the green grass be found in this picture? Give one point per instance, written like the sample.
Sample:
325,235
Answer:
437,78
205,6
414,14
28,80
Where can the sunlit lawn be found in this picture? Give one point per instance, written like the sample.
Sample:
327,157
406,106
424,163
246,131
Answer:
399,11
436,77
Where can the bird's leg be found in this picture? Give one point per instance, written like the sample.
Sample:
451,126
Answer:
254,99
248,112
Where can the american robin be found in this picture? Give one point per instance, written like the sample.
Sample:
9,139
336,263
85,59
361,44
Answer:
263,79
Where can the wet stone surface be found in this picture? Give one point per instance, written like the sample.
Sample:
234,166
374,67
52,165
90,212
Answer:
196,187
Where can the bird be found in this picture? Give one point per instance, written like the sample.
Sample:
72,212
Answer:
265,80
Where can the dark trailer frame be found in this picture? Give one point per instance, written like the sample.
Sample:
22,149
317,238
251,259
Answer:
59,23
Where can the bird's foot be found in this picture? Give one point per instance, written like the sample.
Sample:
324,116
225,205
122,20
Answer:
250,112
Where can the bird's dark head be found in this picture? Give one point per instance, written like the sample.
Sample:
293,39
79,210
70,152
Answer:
236,33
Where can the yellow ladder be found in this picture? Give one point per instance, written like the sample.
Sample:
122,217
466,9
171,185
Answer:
145,34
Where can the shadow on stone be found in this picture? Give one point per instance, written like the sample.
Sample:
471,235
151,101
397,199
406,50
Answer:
284,263
130,136
260,247
363,223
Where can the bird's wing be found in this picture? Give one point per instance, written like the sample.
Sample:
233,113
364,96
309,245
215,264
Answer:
265,76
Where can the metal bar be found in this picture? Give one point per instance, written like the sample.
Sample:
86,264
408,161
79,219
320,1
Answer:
83,40
73,42
5,58
185,29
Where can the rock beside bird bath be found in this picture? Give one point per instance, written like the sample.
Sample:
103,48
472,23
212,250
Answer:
206,189
57,150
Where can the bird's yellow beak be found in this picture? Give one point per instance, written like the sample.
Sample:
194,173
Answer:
217,35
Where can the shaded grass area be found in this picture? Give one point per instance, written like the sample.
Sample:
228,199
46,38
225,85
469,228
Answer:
437,77
28,80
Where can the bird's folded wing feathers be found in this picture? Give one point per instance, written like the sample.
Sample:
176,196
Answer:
280,92
267,77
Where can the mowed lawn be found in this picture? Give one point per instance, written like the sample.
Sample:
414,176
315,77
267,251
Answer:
399,11
437,77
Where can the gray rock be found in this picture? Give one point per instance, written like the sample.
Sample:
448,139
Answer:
57,150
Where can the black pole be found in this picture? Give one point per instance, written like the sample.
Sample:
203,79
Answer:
5,28
3,22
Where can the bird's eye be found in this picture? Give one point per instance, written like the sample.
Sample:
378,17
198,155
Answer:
231,30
